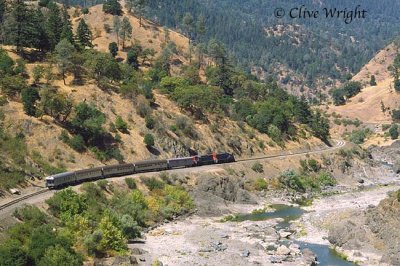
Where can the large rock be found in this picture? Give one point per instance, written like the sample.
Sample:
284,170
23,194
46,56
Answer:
225,187
283,250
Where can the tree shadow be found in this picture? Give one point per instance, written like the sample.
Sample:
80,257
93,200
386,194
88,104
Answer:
153,150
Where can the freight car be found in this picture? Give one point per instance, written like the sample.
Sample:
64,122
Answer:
69,178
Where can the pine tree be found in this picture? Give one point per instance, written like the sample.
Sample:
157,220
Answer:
83,34
139,7
66,32
19,27
54,25
117,27
112,7
126,31
2,13
113,48
372,82
201,28
188,25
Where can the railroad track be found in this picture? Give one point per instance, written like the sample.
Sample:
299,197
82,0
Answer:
8,204
339,144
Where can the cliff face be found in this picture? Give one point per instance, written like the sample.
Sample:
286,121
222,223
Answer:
374,230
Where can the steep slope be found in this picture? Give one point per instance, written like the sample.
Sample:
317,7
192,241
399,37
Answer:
42,135
367,105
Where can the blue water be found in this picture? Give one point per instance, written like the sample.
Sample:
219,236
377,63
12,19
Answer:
325,255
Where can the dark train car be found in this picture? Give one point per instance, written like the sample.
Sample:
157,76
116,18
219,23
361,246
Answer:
118,170
89,174
151,165
207,159
59,180
225,157
182,162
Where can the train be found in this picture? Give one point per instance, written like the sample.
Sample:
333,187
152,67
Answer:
75,177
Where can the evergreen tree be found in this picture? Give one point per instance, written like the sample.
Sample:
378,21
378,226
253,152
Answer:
2,13
112,7
41,41
117,27
188,25
201,28
66,32
133,56
126,31
83,34
372,82
19,28
139,7
113,48
29,97
54,25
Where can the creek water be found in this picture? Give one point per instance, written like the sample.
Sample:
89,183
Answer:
325,255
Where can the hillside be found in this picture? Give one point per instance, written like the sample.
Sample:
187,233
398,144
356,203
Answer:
318,53
143,108
367,105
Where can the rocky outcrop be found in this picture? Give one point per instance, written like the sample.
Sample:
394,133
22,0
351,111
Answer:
374,230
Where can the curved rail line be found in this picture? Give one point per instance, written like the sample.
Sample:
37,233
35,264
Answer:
340,144
8,204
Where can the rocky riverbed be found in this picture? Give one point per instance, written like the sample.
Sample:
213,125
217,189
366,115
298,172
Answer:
208,241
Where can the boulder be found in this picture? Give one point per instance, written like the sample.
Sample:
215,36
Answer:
245,253
283,250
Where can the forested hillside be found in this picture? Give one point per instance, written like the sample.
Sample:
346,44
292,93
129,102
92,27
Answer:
301,51
102,85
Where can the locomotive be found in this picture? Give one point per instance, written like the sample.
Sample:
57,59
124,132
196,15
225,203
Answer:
75,177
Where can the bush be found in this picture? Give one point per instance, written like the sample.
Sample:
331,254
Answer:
260,184
148,140
29,98
394,131
152,183
121,125
149,122
58,255
85,10
131,183
31,215
38,72
77,143
113,49
359,136
102,184
257,167
13,253
396,115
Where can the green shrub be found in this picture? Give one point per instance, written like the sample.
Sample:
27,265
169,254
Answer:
77,143
102,184
394,131
13,253
359,136
257,167
121,125
85,10
260,184
152,183
150,122
31,215
148,140
131,183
